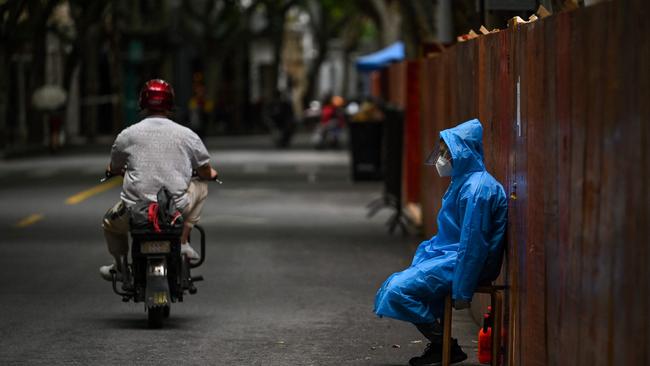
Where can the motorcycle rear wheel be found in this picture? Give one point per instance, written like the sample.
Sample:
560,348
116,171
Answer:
155,316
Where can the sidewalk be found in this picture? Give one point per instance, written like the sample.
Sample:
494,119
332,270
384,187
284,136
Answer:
301,141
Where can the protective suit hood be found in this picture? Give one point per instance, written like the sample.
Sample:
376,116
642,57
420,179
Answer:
465,143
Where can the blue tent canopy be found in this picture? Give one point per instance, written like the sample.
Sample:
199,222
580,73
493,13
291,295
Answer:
381,58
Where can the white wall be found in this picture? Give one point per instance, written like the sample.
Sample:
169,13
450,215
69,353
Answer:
261,53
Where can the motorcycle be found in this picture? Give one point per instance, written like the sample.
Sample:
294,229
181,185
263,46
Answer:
158,275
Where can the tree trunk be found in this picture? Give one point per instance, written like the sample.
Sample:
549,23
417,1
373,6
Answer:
4,97
390,20
115,59
278,45
35,128
91,82
419,25
314,70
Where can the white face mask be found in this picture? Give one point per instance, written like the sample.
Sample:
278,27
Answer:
443,166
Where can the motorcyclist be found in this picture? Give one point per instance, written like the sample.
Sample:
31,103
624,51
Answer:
153,153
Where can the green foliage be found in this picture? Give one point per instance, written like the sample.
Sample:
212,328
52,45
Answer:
369,31
337,10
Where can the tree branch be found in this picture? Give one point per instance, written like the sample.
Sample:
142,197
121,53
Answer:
288,5
189,9
13,16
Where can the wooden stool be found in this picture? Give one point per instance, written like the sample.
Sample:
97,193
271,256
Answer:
496,299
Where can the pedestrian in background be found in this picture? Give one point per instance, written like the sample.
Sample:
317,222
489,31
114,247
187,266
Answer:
332,121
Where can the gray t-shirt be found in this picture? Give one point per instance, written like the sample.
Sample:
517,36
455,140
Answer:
157,152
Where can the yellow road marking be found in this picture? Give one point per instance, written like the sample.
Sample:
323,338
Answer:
29,220
102,187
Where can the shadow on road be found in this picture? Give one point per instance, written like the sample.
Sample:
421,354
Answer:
139,321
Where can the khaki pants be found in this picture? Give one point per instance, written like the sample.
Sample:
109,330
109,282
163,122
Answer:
116,219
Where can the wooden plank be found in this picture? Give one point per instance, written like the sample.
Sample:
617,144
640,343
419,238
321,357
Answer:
611,214
412,147
594,329
485,95
451,87
568,252
517,217
623,184
577,132
438,104
484,99
641,8
548,129
376,84
504,122
429,92
466,68
532,126
492,95
444,109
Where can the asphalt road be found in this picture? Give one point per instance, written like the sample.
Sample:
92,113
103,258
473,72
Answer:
290,276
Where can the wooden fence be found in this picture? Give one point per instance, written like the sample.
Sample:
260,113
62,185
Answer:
565,105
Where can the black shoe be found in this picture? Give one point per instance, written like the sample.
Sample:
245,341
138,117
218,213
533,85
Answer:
432,355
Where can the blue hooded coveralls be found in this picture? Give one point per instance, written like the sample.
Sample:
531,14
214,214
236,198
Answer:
468,248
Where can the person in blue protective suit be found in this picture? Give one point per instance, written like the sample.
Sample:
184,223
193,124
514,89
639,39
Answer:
466,251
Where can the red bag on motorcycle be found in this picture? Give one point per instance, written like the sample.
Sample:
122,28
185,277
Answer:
158,217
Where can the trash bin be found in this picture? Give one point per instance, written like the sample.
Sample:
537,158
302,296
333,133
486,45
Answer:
392,152
392,147
366,150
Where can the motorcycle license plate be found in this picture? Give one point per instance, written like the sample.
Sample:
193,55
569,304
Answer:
152,247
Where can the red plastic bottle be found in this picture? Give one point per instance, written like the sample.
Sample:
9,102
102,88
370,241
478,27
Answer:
485,340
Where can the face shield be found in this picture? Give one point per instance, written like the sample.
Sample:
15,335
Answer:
440,149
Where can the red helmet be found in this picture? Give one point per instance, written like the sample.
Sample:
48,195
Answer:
157,95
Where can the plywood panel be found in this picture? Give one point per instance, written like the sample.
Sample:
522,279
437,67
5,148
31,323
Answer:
429,89
642,224
623,183
578,155
504,117
548,150
412,149
568,252
593,330
463,77
531,72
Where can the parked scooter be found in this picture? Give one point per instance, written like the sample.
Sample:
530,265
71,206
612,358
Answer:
158,275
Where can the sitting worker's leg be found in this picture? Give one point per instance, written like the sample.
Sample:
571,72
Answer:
400,297
433,353
416,295
116,232
197,192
